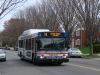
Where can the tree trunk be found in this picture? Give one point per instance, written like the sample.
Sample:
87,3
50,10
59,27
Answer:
91,47
91,50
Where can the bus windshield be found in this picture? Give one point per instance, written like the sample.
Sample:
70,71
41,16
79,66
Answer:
51,44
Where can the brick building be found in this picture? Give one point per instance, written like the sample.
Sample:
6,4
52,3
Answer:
79,38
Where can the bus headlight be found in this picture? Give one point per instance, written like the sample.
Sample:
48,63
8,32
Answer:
65,55
41,57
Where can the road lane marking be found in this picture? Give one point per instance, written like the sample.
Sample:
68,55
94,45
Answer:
90,68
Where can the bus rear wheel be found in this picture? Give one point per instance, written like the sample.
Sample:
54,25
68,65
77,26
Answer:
21,56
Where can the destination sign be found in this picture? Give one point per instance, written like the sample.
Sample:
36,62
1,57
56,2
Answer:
53,34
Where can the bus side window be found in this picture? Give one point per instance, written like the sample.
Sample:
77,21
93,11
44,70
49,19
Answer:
32,43
20,43
39,44
28,44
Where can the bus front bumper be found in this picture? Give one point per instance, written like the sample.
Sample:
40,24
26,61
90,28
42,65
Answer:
52,60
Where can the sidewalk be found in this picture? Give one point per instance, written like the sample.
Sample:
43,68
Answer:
97,58
94,57
98,54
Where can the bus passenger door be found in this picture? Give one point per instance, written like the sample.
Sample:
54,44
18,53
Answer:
28,50
34,48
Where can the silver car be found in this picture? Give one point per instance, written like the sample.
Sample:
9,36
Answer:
2,55
74,52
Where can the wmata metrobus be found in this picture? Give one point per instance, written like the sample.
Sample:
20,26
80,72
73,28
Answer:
42,45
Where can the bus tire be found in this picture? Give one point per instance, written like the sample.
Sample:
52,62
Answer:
33,59
35,63
21,56
58,63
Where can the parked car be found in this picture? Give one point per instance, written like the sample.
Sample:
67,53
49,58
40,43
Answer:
74,52
7,48
2,55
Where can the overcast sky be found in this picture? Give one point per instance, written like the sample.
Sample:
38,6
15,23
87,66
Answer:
7,17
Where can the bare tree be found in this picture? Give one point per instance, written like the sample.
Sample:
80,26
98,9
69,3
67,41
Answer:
52,14
65,15
8,5
87,12
48,16
42,16
13,28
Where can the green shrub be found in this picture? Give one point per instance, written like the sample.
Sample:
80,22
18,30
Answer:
85,50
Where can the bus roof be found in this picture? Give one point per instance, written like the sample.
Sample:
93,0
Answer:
33,32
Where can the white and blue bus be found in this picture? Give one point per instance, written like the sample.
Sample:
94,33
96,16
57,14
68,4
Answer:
42,45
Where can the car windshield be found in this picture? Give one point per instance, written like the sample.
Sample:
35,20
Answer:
51,43
1,51
74,49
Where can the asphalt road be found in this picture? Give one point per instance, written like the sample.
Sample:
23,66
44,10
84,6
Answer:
76,66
